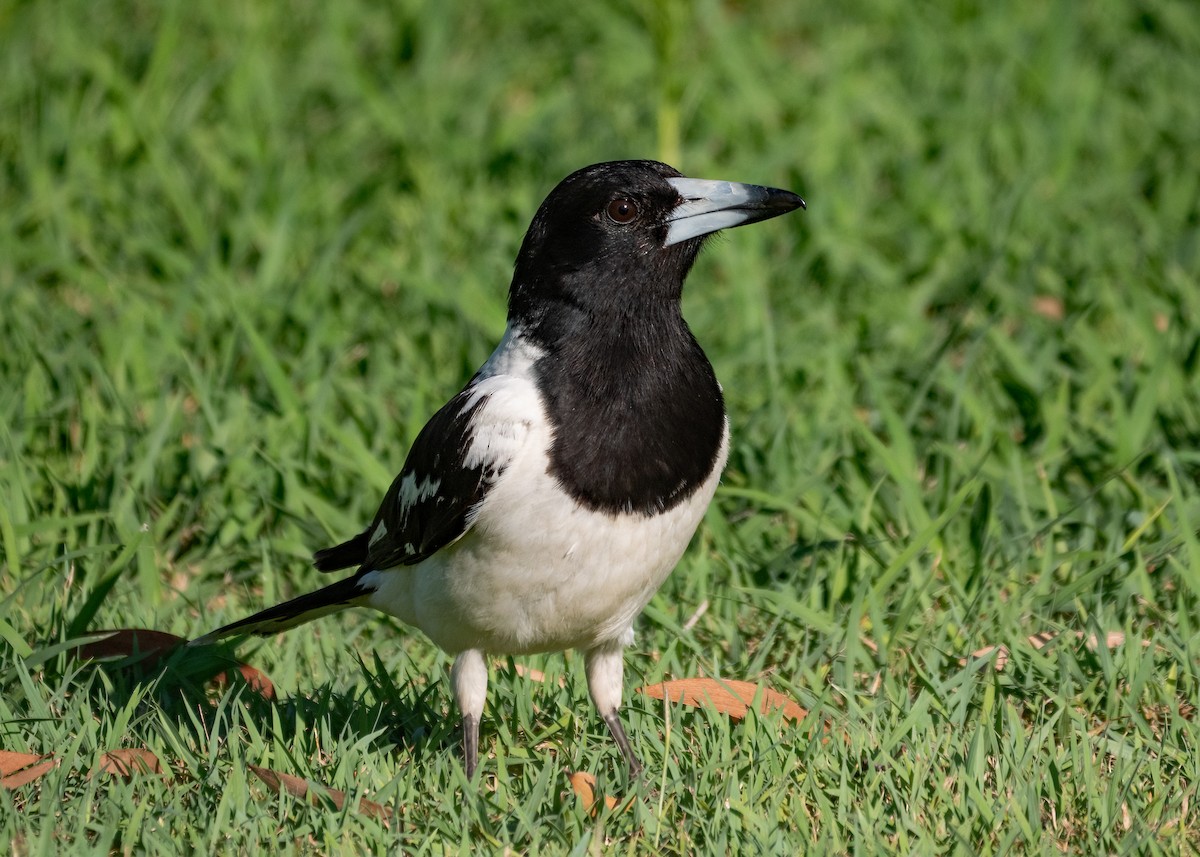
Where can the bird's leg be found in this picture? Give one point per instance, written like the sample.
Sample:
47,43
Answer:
469,677
470,743
605,671
618,733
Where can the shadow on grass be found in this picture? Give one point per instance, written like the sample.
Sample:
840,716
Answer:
192,687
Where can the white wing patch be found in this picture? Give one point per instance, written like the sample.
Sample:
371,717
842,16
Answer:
501,426
413,492
464,451
495,444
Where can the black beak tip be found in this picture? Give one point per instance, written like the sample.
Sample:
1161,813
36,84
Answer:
788,201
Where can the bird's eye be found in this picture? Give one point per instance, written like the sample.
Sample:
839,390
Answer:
622,211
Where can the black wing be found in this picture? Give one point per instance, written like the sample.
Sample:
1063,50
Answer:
345,555
436,496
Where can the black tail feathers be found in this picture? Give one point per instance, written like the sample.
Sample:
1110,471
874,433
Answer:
337,596
346,555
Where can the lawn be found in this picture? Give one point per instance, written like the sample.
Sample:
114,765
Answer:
246,250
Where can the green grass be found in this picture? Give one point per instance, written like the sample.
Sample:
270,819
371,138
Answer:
246,251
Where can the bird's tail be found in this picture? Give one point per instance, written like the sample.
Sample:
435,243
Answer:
330,599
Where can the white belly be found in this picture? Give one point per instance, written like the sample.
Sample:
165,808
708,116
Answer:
537,572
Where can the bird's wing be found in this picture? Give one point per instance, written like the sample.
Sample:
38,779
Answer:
456,459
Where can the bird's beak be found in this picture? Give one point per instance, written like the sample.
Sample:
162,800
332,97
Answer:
707,206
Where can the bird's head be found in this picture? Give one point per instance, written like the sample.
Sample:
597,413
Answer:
621,236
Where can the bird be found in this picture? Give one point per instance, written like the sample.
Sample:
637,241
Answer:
542,506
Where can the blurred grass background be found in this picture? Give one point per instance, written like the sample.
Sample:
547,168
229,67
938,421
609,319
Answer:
246,251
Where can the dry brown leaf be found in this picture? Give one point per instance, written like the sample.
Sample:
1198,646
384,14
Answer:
1049,306
874,681
1041,639
256,679
537,675
530,673
584,786
125,642
729,696
128,762
1002,656
1112,640
299,787
19,769
153,646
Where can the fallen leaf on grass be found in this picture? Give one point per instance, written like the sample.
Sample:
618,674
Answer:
1041,638
1112,640
255,679
530,673
584,786
301,788
536,675
1002,656
1049,306
153,646
128,762
127,642
728,696
19,769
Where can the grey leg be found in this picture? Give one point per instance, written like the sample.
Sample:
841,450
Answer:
470,742
605,675
618,733
469,677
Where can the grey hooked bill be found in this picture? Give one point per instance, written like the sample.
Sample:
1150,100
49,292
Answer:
710,205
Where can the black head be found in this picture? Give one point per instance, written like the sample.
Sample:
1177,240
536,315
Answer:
619,237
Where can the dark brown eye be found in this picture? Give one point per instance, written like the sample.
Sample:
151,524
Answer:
622,211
